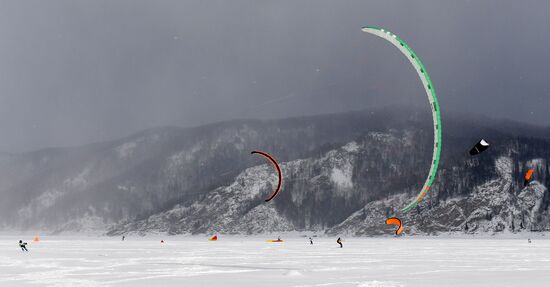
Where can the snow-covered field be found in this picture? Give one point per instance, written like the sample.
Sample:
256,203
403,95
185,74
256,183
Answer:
250,261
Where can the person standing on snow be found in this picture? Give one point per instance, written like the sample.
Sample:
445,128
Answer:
310,241
339,241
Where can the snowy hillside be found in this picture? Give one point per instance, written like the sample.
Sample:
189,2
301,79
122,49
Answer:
493,206
343,173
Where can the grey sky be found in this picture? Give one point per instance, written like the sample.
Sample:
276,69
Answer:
74,72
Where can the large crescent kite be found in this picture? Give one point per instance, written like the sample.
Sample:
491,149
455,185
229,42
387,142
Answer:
279,173
430,92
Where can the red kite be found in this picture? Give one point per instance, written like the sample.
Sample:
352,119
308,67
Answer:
395,221
528,177
279,173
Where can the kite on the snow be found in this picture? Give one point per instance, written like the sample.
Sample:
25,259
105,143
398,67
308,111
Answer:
275,240
430,92
279,173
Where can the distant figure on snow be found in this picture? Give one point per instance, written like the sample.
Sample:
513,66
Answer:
528,240
123,237
339,241
23,245
310,241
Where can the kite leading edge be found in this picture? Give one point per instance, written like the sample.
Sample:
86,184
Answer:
430,91
279,172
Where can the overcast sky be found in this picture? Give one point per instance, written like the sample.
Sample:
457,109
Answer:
74,72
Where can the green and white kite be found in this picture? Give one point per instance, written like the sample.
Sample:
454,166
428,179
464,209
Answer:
430,91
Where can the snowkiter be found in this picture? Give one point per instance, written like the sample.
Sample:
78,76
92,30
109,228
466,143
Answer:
310,241
23,245
339,241
123,237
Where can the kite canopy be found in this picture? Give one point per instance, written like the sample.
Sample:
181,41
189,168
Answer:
528,177
432,98
213,238
279,173
480,147
395,221
274,240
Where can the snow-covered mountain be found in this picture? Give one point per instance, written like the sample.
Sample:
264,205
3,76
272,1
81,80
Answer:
343,173
494,206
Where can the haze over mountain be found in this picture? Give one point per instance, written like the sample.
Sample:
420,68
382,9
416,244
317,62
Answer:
77,72
342,173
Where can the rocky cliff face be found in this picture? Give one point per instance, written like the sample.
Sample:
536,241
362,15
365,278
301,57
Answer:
343,173
494,206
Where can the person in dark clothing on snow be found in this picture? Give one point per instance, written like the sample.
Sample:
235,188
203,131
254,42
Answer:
339,241
310,241
23,245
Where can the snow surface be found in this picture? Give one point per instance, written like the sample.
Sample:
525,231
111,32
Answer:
251,261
